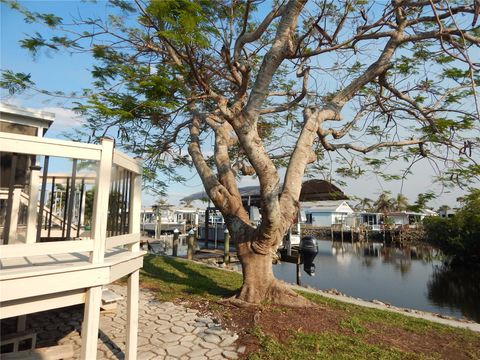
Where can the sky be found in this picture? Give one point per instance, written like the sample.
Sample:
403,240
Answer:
62,71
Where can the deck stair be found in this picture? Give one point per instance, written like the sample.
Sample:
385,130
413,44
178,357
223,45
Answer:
25,199
48,353
109,300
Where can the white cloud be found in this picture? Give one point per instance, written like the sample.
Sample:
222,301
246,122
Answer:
64,118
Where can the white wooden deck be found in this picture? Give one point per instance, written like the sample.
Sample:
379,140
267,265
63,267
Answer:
59,278
37,276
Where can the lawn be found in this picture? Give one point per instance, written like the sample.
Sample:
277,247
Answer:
329,329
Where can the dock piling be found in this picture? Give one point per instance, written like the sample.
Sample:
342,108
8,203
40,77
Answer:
176,234
226,247
191,244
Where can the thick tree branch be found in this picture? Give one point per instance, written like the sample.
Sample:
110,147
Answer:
254,35
282,46
215,190
302,155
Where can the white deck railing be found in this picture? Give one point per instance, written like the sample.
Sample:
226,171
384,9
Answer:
118,176
107,159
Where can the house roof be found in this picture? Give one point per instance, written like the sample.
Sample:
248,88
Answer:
311,190
30,117
321,190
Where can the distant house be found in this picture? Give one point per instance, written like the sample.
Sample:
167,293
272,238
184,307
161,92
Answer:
370,219
326,213
376,221
402,218
447,213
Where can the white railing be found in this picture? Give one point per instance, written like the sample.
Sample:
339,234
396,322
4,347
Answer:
107,159
24,144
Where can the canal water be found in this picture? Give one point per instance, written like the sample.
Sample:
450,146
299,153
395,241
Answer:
411,277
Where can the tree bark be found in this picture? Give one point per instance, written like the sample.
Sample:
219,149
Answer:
259,283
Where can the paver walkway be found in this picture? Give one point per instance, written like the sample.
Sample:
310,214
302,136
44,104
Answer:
166,331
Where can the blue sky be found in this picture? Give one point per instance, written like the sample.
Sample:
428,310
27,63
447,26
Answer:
62,71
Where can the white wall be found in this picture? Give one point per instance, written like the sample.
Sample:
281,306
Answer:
322,219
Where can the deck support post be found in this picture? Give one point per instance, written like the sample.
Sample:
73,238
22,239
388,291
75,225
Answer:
133,290
91,319
93,299
132,315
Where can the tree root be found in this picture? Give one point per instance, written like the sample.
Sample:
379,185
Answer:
236,302
275,294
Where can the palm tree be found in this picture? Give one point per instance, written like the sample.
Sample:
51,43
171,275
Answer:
384,203
186,203
443,208
364,204
400,203
422,201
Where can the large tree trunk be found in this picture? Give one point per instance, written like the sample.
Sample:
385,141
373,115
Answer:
259,283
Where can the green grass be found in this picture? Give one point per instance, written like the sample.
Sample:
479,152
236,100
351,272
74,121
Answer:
173,278
362,316
324,345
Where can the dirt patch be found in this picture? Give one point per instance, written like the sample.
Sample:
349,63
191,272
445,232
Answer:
444,344
283,322
276,321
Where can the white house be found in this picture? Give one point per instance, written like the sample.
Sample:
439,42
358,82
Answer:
326,213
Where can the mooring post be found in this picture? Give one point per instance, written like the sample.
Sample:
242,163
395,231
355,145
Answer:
226,247
341,231
207,220
288,242
191,244
176,234
299,283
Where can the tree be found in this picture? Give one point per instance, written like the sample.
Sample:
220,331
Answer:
458,236
400,203
422,201
364,204
384,203
443,209
277,88
187,204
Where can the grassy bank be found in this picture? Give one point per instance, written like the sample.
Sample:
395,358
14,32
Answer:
329,330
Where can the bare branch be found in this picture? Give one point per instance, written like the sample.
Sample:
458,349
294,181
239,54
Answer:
282,46
364,150
246,38
304,73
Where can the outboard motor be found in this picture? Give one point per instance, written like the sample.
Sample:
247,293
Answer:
308,251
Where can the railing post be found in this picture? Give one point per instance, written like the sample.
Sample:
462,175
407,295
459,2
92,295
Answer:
93,297
16,199
32,205
100,202
226,247
133,287
191,244
176,234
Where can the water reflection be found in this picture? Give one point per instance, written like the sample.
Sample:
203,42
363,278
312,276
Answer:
412,277
404,277
456,288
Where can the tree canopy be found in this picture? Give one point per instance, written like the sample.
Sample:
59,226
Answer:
251,87
458,236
